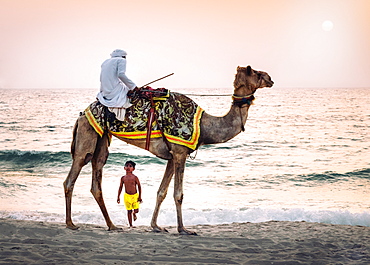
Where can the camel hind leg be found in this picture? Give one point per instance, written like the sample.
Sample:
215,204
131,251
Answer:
83,148
99,159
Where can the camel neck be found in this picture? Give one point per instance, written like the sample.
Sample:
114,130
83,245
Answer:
221,129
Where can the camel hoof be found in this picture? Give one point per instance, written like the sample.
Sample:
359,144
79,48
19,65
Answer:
114,228
159,230
187,233
72,227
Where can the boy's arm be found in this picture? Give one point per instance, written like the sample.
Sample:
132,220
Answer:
138,188
120,190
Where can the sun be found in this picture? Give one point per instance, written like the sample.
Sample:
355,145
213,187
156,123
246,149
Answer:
327,25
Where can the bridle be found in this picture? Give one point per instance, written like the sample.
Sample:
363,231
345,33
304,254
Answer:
245,101
242,102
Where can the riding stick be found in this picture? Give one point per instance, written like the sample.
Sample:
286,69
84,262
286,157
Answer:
156,80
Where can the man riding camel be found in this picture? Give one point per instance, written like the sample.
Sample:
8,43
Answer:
114,84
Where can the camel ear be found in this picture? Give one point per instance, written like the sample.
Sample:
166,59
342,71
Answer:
238,68
249,70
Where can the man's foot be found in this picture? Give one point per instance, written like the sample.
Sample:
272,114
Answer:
135,217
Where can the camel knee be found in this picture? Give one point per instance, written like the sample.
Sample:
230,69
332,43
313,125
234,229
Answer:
178,198
161,195
68,187
70,181
96,193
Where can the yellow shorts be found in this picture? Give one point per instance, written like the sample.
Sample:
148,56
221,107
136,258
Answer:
131,202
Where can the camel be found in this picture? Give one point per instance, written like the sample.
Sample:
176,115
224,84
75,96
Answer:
88,146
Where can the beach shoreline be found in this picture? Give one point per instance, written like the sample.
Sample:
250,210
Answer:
273,242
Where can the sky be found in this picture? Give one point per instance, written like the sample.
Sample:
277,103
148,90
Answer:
300,43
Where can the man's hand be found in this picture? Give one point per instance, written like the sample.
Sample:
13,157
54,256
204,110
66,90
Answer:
118,200
132,92
136,90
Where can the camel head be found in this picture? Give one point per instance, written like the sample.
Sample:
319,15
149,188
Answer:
247,81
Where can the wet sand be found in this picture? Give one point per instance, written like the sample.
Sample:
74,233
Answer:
30,242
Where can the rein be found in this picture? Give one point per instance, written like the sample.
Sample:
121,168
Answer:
240,101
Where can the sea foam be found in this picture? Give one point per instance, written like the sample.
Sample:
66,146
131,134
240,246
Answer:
205,217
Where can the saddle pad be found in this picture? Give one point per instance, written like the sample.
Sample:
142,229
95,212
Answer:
178,116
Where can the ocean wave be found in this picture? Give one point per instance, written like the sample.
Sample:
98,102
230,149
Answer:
44,161
307,180
330,176
205,217
120,158
48,161
8,184
16,160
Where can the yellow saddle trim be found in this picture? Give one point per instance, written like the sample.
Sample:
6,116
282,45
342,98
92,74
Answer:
192,143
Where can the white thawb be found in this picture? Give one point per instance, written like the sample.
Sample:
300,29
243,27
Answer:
114,84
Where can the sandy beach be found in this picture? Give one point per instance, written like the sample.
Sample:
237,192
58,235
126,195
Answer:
271,242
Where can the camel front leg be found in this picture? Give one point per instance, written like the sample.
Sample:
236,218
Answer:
178,193
99,159
161,195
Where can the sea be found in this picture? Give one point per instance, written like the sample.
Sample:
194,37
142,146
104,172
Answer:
304,156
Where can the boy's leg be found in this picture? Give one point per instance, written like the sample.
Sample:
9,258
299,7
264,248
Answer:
129,216
134,214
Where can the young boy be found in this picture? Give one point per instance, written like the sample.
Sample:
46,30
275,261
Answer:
131,196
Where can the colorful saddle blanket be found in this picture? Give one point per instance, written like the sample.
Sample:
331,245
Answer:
178,117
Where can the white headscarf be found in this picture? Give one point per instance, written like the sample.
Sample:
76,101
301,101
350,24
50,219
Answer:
118,53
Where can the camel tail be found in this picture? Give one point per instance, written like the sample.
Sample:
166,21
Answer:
73,144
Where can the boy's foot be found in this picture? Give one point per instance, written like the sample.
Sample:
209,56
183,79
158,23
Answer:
135,217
